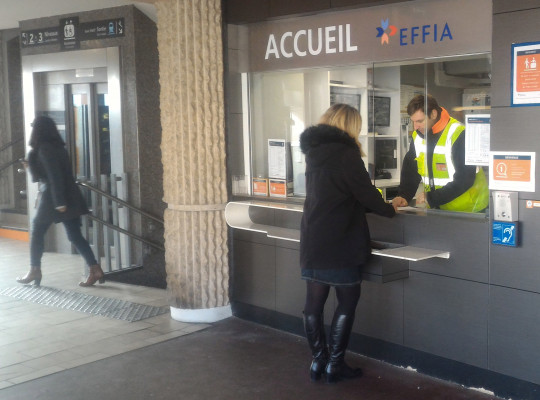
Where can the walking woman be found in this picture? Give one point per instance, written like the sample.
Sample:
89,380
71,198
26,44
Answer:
61,200
334,237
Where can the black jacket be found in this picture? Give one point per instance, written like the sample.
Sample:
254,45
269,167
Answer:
334,230
50,165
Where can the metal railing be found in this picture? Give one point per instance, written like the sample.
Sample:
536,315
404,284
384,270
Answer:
111,217
15,160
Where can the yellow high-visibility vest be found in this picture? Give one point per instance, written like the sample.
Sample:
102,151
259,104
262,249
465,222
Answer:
476,198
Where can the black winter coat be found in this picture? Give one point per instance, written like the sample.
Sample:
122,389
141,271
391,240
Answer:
50,165
334,231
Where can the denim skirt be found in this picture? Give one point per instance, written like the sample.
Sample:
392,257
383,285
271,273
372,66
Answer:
334,276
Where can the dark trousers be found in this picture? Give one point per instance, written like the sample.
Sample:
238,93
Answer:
73,230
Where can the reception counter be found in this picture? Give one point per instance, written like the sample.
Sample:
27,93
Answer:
429,309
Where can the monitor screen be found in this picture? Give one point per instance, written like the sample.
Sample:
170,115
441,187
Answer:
385,154
379,111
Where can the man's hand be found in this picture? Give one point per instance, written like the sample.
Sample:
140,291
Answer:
399,201
420,198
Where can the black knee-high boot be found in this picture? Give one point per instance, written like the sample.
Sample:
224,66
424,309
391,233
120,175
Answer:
314,328
337,369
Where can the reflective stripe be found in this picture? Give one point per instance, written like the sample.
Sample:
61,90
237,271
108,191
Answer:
449,142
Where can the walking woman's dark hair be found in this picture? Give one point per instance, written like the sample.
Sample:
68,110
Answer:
44,130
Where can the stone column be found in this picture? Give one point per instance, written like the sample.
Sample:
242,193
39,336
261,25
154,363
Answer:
193,156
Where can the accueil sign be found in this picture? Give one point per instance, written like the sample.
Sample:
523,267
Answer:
385,33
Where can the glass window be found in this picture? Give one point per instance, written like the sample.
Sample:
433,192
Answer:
440,170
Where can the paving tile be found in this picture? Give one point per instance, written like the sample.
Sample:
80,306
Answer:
36,374
13,371
5,384
51,360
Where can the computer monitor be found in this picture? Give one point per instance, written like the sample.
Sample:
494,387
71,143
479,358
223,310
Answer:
379,111
385,154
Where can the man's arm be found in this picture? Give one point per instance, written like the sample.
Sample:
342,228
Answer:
410,178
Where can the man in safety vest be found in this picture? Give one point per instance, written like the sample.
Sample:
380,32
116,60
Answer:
436,157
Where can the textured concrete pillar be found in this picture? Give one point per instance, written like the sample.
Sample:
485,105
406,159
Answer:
193,154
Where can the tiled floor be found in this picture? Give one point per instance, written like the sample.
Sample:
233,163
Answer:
48,353
38,340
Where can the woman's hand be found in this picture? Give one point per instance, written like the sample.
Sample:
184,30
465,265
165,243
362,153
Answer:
399,201
61,209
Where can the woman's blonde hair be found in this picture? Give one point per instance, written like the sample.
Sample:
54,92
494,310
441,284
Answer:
346,118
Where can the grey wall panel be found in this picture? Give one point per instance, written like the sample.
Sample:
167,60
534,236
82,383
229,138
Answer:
446,317
290,288
255,237
519,267
245,11
386,229
516,129
505,33
280,8
500,6
467,240
235,140
380,311
254,274
514,333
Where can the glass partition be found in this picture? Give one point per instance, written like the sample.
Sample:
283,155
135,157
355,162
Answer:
399,153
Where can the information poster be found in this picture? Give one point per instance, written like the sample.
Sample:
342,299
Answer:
477,131
512,171
526,74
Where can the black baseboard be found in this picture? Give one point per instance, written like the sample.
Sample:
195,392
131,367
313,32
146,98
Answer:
438,367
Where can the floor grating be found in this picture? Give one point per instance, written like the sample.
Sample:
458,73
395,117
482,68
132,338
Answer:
77,301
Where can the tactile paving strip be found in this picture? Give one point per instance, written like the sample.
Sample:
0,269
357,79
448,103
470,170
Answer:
77,301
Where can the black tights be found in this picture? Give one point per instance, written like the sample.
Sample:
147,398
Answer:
317,293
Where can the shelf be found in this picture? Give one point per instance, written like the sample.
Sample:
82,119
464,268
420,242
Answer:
411,253
237,216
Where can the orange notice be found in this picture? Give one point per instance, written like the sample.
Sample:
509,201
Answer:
278,188
527,73
260,187
512,168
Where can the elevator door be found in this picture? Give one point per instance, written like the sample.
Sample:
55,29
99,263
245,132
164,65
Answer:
87,131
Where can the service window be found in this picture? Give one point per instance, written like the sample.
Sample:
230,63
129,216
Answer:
434,159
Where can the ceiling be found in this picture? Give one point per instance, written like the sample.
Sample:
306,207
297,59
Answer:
13,11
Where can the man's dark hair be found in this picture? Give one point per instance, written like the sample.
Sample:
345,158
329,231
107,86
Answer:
418,103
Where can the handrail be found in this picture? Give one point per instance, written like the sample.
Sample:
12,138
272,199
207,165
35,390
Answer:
125,232
119,201
9,164
12,143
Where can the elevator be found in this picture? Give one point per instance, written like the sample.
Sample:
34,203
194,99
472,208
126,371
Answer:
80,91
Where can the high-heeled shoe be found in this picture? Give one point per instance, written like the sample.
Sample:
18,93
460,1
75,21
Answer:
33,275
96,275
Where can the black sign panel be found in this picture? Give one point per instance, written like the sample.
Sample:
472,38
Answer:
101,29
70,33
69,28
39,37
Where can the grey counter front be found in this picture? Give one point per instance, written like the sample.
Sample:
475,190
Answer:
410,311
281,221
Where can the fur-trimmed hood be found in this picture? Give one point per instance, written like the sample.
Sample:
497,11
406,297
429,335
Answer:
324,134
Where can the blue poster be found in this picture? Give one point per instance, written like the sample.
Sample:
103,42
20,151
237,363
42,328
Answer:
505,233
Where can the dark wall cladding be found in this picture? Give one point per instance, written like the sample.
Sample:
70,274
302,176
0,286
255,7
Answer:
249,11
478,309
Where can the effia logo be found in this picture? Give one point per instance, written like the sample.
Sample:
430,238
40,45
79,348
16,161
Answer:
383,29
414,34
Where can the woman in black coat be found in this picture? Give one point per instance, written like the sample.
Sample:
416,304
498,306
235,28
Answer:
334,236
60,200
